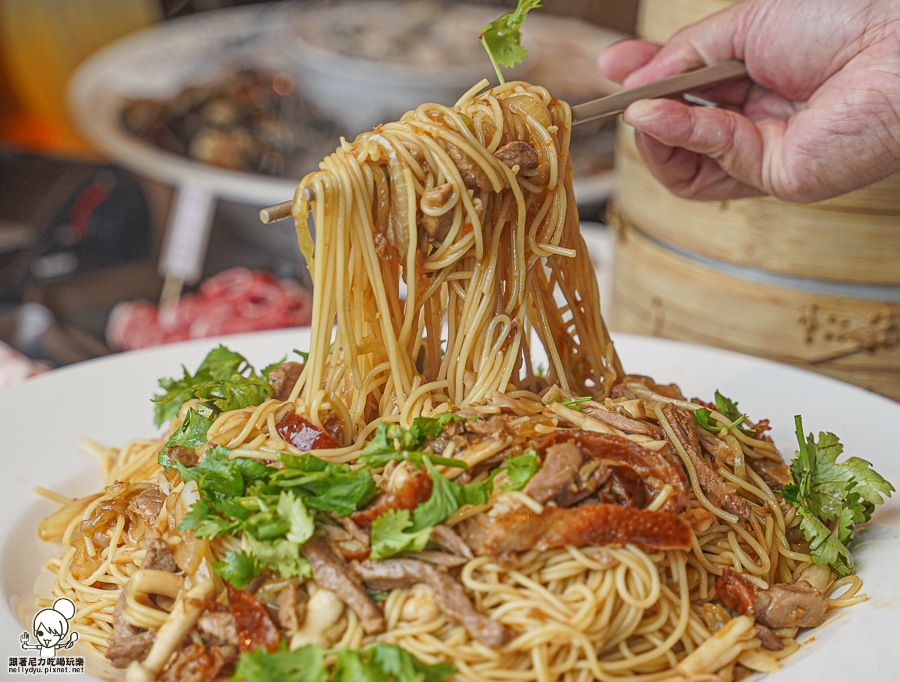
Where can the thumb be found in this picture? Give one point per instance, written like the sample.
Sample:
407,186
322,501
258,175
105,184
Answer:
715,39
741,148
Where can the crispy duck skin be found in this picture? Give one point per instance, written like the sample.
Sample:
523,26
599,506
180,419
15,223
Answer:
653,468
412,493
522,530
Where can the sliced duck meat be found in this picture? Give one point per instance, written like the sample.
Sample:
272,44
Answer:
654,470
782,605
775,473
437,226
292,601
283,378
767,639
493,427
623,423
563,477
147,504
158,557
303,434
450,596
446,538
255,630
218,628
332,573
127,643
519,154
522,530
412,493
789,605
473,175
721,494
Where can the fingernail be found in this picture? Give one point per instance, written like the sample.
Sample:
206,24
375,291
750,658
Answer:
639,112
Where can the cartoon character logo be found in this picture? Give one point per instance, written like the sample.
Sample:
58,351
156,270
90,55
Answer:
50,627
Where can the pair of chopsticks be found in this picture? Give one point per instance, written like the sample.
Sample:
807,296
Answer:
595,110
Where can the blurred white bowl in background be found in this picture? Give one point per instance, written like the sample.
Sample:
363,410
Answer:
368,62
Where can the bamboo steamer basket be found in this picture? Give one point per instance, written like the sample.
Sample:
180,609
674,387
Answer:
851,332
820,241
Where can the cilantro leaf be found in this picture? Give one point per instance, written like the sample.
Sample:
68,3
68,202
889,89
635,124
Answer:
824,546
392,442
224,379
827,492
306,664
400,665
389,536
280,555
238,568
293,510
336,488
377,663
502,38
191,434
520,469
446,497
727,408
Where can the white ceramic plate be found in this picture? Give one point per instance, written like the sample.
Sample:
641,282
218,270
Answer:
109,400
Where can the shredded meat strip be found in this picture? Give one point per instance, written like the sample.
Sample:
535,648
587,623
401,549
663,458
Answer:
623,423
653,468
446,538
560,477
333,574
522,530
450,596
127,643
688,433
783,605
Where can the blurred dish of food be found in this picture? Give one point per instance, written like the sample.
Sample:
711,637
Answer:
252,120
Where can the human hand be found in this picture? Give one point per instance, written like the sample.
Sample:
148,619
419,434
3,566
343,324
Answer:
820,117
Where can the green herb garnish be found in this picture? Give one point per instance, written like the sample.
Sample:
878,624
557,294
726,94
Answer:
377,663
503,40
827,492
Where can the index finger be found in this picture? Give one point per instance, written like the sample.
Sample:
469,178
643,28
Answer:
714,39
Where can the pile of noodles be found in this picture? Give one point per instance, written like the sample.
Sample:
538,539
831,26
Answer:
511,269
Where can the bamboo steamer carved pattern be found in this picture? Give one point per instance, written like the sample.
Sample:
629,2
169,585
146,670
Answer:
659,292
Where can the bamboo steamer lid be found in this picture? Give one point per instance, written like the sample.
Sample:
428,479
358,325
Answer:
851,332
816,240
851,238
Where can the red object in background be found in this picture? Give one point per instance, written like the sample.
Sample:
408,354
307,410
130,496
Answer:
231,302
